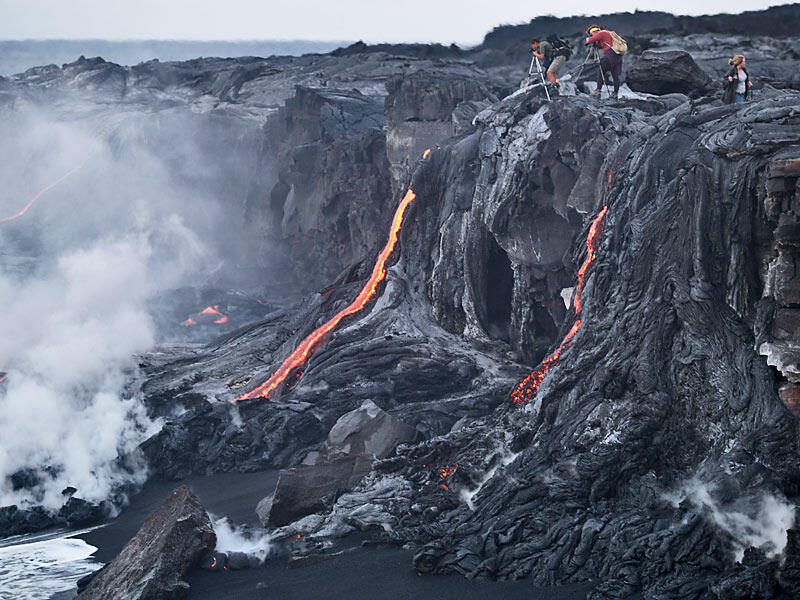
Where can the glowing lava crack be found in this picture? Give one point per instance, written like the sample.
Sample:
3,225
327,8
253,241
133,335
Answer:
310,345
42,193
527,388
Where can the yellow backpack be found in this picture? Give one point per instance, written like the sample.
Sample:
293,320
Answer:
618,45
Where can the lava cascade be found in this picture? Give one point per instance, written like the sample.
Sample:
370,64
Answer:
310,344
33,201
527,388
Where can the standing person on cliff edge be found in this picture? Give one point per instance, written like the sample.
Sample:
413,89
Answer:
613,47
554,53
738,84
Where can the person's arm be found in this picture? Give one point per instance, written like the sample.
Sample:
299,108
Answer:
597,37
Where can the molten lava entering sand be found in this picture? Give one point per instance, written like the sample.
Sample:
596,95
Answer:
527,389
310,345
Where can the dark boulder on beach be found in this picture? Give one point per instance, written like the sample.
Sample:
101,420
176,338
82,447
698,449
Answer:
151,566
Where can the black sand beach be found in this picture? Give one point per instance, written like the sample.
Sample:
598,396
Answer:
377,572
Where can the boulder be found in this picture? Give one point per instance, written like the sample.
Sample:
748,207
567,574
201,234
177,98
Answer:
14,520
368,430
669,72
304,490
80,513
151,566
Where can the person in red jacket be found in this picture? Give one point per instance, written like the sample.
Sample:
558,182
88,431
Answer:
610,62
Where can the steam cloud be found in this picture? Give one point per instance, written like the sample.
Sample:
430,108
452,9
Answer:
241,539
69,342
76,274
760,522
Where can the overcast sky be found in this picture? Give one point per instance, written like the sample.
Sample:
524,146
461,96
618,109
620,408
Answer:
446,21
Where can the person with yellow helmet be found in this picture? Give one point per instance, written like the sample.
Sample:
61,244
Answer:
613,48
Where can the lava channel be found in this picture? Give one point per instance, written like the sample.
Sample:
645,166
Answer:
527,388
310,345
42,193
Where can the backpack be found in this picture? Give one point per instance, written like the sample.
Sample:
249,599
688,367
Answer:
560,47
618,45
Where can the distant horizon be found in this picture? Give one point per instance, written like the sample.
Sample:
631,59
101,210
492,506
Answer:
445,22
17,56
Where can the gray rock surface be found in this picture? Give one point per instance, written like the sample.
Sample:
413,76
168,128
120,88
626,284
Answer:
307,489
667,72
151,566
368,431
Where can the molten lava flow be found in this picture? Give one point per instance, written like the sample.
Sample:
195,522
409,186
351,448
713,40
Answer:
527,388
214,310
42,193
590,256
210,310
214,563
447,471
310,345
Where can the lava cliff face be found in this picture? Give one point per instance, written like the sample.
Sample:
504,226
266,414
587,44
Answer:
661,392
657,450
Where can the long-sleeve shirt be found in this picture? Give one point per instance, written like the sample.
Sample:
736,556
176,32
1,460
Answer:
603,38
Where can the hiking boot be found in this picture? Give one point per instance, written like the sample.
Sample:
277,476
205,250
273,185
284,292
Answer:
595,93
613,96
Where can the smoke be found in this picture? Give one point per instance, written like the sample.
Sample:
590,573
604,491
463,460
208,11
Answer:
760,522
78,272
501,459
68,345
253,542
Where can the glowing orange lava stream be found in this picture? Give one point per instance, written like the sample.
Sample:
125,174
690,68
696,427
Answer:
309,345
213,310
527,388
42,193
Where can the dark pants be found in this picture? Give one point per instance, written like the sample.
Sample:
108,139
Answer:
611,62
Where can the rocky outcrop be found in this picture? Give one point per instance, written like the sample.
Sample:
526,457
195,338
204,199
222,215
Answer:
421,106
151,566
324,162
304,490
576,485
367,431
780,338
670,72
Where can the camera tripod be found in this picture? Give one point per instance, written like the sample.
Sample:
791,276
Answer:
593,56
538,65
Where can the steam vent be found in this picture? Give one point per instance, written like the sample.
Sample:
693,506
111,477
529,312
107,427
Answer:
392,303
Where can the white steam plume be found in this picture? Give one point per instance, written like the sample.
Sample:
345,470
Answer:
253,542
77,272
68,340
760,522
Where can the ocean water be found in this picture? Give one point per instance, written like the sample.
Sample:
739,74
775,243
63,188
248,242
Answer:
17,56
35,567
